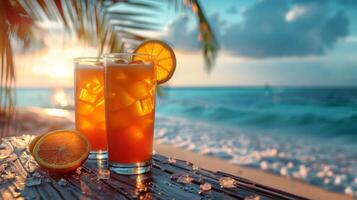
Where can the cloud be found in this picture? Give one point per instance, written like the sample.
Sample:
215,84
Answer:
334,28
270,29
280,30
180,36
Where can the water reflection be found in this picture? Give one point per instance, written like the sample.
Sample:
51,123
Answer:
60,98
140,183
143,183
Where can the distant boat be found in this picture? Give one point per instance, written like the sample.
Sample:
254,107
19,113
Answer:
268,90
267,86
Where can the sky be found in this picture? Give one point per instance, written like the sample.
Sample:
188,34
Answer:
282,43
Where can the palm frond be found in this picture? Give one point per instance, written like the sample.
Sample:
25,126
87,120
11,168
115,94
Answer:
206,34
99,23
14,23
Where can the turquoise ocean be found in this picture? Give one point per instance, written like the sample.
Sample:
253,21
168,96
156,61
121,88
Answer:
302,132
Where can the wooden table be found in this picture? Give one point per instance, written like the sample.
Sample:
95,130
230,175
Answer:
21,178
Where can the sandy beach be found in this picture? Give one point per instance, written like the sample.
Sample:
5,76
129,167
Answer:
36,121
282,183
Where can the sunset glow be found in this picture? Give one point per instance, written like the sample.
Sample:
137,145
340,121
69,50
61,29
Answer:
60,98
50,67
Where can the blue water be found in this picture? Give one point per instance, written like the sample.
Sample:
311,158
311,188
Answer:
304,133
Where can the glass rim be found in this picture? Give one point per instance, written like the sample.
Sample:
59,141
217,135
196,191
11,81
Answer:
117,55
88,62
78,59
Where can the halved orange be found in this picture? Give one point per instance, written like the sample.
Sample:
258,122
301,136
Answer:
61,151
163,55
33,143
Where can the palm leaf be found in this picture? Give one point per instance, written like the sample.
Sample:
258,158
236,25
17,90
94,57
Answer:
206,34
98,22
14,23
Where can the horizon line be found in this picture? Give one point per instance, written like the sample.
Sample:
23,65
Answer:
213,86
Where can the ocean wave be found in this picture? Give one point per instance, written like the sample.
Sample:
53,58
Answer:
331,167
309,120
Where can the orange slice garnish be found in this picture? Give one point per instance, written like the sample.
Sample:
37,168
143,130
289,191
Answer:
34,142
61,151
163,55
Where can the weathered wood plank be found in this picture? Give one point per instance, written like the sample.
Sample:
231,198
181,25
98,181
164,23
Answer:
21,178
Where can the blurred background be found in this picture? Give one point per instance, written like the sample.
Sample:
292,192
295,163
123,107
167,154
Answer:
265,84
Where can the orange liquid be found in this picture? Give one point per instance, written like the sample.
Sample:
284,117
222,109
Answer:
130,112
90,113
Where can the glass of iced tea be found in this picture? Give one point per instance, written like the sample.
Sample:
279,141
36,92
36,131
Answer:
130,111
89,104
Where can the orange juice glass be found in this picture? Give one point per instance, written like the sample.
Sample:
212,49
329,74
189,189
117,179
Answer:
89,104
130,112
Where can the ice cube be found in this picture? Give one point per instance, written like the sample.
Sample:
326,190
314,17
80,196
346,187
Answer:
171,160
95,86
120,76
349,190
195,168
185,178
79,170
227,182
120,99
37,175
97,116
252,197
121,61
206,187
145,123
86,96
100,103
143,107
8,175
101,125
84,124
136,62
62,182
84,108
134,132
33,181
103,173
119,119
139,89
2,168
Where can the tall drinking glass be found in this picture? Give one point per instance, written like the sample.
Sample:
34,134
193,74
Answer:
130,111
89,104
